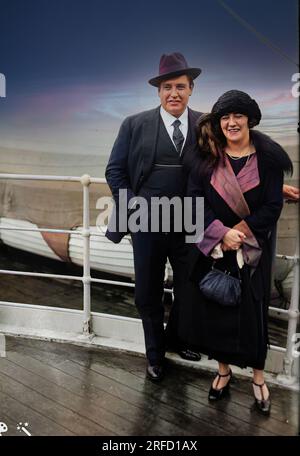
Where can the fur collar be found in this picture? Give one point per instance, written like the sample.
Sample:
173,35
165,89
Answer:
271,152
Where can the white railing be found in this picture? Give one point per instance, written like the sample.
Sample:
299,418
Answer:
292,313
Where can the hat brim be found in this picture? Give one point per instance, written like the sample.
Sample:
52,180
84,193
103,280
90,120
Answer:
193,72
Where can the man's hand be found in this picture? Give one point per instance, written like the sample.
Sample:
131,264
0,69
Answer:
232,240
290,193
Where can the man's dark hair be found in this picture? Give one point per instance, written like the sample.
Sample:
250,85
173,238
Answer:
191,81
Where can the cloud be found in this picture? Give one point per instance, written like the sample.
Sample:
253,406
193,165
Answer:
275,99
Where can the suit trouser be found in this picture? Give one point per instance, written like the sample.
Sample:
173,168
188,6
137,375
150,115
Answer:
151,251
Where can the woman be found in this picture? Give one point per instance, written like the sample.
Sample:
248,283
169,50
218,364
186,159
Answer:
239,172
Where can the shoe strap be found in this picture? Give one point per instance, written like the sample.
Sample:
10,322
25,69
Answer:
222,375
261,388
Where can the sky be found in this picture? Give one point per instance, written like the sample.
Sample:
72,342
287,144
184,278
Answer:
75,69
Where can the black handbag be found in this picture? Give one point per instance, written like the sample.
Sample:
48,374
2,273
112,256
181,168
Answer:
222,287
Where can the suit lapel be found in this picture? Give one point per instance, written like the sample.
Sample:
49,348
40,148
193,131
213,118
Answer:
193,117
149,140
191,134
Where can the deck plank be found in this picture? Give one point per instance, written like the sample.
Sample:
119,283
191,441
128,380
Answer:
122,398
240,397
91,391
191,403
10,422
14,405
85,388
37,386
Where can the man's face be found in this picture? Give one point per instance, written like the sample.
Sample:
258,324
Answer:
174,95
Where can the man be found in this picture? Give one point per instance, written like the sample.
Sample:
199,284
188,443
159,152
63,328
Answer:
146,160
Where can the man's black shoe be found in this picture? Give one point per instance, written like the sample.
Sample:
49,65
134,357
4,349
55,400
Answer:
189,355
155,373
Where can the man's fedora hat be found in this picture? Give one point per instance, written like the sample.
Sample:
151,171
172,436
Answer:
171,66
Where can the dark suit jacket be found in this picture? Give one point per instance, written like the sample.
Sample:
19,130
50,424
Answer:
133,155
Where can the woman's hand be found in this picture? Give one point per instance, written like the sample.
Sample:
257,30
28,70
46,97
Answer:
232,240
290,193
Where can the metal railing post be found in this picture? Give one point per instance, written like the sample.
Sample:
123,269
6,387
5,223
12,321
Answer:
86,279
289,376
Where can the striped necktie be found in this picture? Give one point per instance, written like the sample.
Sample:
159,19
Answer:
178,137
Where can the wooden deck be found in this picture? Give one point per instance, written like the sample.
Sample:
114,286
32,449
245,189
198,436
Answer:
67,390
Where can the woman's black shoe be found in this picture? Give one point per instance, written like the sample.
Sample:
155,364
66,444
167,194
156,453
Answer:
263,405
217,394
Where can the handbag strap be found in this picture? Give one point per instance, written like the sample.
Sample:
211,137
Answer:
226,272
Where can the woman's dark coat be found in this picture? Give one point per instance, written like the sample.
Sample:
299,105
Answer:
237,335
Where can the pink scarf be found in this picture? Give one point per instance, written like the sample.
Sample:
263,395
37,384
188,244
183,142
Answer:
231,188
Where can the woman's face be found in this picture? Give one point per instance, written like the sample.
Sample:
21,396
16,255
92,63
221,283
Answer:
234,126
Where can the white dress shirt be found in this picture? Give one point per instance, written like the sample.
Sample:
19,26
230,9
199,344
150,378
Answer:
168,119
